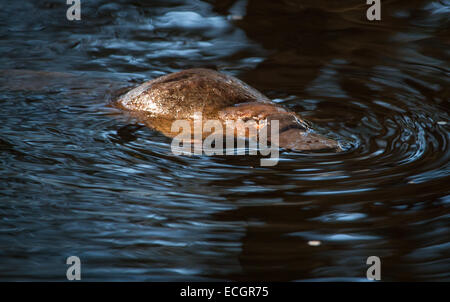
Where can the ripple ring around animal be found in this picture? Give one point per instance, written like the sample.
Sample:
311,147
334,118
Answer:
161,101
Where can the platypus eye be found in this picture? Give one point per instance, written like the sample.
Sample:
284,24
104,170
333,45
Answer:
248,118
293,126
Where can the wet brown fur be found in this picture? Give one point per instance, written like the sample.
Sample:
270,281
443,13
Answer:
161,101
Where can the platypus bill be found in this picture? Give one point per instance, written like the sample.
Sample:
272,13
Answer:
180,95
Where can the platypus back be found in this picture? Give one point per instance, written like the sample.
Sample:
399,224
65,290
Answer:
179,95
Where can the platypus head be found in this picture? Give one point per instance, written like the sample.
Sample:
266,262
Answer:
296,134
293,132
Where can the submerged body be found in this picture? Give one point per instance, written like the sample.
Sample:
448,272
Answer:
217,96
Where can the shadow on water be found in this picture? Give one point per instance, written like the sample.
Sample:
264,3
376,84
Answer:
80,178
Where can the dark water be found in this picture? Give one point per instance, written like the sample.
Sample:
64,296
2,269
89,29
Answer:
79,178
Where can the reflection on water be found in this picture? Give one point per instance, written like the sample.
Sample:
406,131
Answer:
79,178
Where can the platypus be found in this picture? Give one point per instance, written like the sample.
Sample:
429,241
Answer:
181,95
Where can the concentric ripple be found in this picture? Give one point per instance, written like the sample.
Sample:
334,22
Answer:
80,178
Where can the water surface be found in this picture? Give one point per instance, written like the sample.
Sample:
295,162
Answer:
79,178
